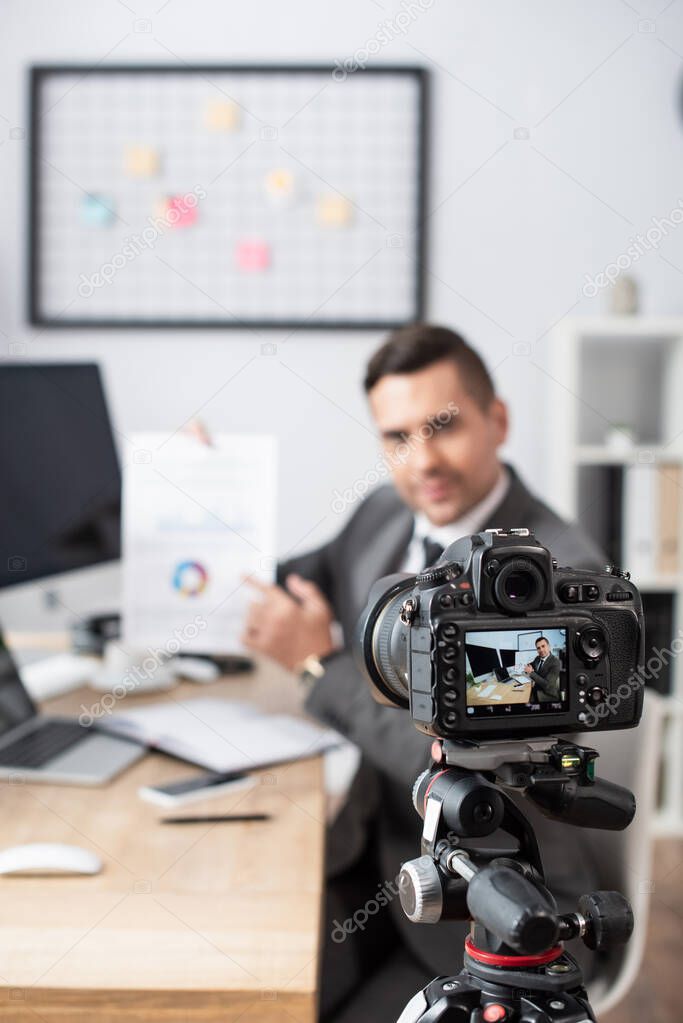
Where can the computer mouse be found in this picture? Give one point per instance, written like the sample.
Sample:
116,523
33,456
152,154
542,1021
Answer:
48,858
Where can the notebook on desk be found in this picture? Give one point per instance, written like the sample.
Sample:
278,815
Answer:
221,735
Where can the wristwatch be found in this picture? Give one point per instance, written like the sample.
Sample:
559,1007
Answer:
311,670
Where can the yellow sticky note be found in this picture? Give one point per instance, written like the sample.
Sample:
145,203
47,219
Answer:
333,210
222,115
141,161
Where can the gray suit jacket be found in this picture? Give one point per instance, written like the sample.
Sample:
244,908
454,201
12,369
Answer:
379,819
546,679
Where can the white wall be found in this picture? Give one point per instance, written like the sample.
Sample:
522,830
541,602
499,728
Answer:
516,223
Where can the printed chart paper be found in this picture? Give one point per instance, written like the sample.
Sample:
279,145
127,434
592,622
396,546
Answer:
196,519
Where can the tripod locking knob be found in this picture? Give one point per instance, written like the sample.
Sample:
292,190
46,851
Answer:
421,890
609,919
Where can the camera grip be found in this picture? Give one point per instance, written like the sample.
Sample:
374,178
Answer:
602,805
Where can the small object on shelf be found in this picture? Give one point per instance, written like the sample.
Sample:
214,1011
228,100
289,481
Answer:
620,437
624,296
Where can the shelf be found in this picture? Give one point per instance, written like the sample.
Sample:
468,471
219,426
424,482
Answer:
627,370
663,584
623,327
642,454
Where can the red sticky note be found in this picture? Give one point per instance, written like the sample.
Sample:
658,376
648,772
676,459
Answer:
252,255
179,212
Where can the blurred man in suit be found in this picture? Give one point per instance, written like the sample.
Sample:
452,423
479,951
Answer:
441,425
544,672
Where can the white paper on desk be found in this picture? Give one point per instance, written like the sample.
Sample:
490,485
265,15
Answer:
221,735
196,519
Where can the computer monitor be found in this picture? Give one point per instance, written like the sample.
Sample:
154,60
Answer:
59,472
483,660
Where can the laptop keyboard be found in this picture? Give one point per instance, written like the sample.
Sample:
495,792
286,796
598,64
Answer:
42,744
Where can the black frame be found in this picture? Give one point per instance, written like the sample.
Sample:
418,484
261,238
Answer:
39,72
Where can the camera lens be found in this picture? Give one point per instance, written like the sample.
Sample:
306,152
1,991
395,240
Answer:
519,586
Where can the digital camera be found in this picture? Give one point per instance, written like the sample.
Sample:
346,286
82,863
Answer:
496,641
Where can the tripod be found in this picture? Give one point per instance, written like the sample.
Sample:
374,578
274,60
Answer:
515,965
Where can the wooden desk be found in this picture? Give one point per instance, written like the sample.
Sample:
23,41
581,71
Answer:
202,922
505,690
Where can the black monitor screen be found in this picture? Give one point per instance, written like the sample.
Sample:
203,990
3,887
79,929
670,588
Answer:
482,659
15,703
59,473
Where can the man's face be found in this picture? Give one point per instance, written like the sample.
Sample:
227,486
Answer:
440,444
543,648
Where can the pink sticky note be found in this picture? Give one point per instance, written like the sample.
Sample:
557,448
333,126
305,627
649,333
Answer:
252,255
179,213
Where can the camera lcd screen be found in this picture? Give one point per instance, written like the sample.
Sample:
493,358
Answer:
516,672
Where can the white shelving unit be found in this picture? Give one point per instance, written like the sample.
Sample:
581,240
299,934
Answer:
624,372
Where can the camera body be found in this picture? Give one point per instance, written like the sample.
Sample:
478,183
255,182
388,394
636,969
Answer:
496,641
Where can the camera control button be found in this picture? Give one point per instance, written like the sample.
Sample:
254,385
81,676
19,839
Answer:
449,654
449,719
467,598
569,593
582,681
591,592
449,697
449,630
597,695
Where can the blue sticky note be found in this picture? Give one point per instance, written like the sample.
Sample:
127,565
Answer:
97,210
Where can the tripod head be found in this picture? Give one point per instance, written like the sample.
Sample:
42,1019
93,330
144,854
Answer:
516,932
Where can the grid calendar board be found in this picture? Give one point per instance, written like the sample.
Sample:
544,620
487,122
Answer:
209,196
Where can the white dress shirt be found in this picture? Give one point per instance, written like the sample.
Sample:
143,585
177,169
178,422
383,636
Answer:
473,521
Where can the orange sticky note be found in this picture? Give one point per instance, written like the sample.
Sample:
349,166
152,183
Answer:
333,210
222,115
141,161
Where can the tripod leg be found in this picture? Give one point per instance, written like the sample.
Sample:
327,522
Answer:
415,1009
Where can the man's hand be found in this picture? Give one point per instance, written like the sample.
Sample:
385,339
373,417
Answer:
289,626
528,669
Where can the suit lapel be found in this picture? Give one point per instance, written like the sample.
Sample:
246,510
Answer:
389,545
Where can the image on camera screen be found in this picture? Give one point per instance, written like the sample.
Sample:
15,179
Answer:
516,671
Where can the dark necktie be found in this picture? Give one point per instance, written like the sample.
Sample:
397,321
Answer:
433,551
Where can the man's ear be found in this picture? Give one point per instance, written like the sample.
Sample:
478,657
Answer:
498,412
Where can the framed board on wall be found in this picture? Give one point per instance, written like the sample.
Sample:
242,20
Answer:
236,196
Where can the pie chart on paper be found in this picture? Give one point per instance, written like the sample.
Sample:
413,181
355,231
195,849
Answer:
190,578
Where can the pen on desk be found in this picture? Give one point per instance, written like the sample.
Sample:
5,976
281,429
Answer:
225,818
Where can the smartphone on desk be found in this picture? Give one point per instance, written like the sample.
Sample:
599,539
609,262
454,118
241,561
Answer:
196,788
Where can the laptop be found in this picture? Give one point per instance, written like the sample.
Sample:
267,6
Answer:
53,749
503,675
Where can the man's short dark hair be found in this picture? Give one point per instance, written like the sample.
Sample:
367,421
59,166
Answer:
542,639
419,345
